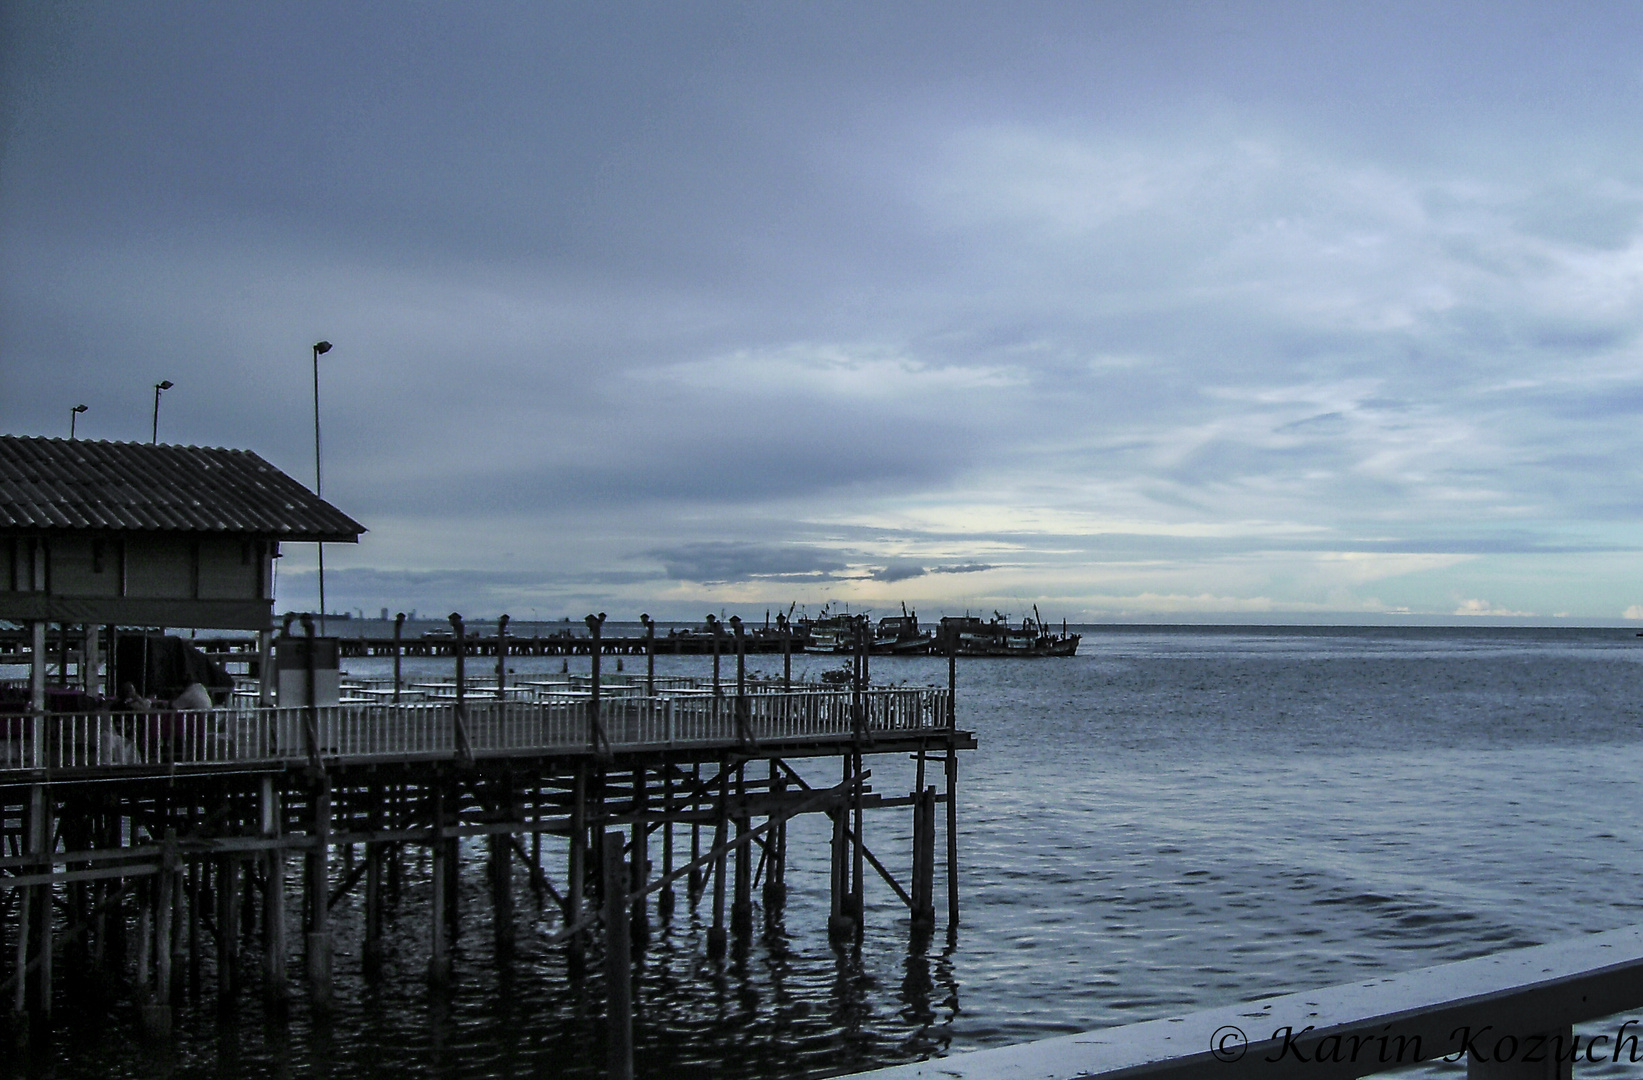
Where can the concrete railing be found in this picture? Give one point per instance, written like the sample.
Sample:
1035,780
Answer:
1506,1015
485,727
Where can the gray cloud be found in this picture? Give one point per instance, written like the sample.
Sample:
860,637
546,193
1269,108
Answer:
718,562
832,300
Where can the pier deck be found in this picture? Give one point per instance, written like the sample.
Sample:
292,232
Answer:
153,847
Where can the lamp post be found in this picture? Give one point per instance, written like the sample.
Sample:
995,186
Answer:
73,415
158,388
320,348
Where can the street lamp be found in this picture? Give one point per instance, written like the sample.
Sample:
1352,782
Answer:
73,415
158,387
320,348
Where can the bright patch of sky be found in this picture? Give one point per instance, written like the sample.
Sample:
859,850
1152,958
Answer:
1133,310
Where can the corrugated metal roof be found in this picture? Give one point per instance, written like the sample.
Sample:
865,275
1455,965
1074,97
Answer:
84,484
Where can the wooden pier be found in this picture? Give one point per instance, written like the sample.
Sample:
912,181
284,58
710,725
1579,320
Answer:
152,850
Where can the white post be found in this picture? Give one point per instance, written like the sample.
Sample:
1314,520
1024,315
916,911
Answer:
37,693
265,668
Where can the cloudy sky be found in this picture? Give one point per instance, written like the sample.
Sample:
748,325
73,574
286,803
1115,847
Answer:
1137,311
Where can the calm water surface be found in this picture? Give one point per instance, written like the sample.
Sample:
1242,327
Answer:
1173,819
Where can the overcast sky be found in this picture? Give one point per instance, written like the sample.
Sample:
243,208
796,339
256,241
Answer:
1135,311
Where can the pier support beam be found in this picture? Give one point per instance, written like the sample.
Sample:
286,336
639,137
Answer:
952,838
618,962
319,950
839,923
228,929
439,962
577,861
716,933
694,881
664,896
500,864
741,911
641,861
273,904
775,864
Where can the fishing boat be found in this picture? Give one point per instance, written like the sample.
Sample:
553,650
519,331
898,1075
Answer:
900,635
968,635
829,633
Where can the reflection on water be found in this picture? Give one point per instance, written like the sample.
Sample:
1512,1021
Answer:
1173,819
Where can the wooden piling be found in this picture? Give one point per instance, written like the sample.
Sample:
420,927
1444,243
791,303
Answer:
664,896
952,838
439,963
371,952
576,860
775,869
228,929
39,844
319,949
640,929
195,923
716,933
399,650
741,911
156,1014
839,923
618,962
273,904
694,881
500,865
858,879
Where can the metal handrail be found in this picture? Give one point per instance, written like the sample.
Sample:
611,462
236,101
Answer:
255,736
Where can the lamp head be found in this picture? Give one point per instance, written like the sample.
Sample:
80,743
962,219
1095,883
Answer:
321,348
163,385
78,409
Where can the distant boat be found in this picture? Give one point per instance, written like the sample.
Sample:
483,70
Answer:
900,635
829,633
968,635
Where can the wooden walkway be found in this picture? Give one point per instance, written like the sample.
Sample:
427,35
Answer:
153,849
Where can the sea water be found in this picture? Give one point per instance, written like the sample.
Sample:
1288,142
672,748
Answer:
1174,819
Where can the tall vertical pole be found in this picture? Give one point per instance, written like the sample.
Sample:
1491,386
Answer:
502,658
743,729
319,487
952,783
459,715
596,730
717,631
399,651
787,651
650,656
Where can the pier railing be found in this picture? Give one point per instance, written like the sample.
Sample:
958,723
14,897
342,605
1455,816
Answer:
446,729
1508,1015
